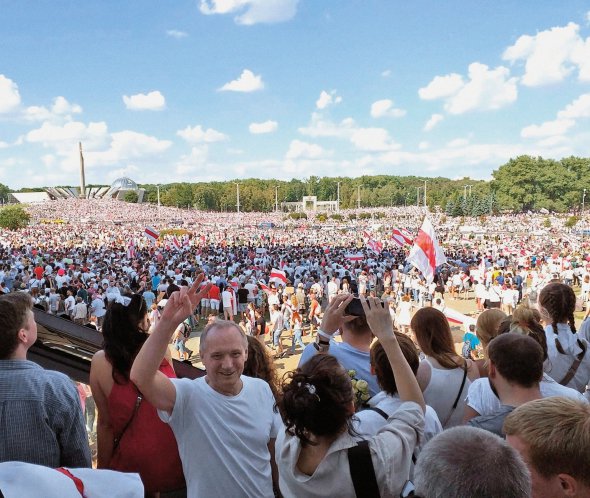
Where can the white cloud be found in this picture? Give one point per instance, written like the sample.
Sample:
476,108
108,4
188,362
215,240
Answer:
372,139
9,95
423,145
327,98
191,163
458,142
265,127
152,101
551,55
320,127
246,82
485,89
579,108
384,108
60,110
547,129
387,73
252,11
197,135
441,87
304,150
174,33
62,107
433,121
64,138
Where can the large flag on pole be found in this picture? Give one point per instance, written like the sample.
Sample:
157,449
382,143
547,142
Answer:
426,253
152,234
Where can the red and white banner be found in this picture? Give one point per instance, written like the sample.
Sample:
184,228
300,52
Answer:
263,286
426,253
454,317
278,275
359,256
176,243
131,250
372,244
401,237
152,234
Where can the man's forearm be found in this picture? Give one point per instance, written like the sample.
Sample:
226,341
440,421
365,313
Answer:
147,361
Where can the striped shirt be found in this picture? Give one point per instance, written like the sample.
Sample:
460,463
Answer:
41,419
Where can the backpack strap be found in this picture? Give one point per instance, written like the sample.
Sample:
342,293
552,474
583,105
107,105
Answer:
379,411
458,394
362,471
575,365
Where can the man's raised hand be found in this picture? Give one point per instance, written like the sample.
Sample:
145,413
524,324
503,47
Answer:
334,316
378,317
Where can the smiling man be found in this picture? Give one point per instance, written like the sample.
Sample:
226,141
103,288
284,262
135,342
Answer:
224,423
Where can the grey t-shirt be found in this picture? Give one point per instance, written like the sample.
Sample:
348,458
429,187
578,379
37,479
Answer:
493,422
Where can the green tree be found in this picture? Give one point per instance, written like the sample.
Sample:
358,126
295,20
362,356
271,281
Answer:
131,196
14,217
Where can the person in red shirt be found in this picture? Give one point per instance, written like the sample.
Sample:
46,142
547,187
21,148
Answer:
314,312
214,296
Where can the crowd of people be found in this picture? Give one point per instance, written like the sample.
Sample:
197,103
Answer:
383,401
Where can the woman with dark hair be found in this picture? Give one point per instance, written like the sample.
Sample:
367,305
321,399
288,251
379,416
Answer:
481,400
569,358
444,376
316,454
259,365
131,436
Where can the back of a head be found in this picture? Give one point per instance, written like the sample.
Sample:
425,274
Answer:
13,317
467,462
517,358
434,337
122,337
358,326
556,432
383,370
558,303
527,321
487,325
317,399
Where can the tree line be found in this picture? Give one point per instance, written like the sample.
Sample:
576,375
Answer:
522,184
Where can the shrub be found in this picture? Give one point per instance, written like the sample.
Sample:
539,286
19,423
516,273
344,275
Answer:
14,217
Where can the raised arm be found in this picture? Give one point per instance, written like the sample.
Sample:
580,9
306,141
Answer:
153,384
379,321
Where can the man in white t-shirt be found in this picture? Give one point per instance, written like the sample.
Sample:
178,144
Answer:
225,416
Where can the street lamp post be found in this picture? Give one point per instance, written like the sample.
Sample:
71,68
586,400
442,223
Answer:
237,197
418,196
158,187
358,197
276,197
425,181
338,197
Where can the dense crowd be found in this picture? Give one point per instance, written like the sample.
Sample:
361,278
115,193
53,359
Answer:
382,400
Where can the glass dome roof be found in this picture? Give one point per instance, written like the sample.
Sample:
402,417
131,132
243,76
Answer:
124,183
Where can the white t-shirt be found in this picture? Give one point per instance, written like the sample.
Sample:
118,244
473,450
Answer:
482,399
230,432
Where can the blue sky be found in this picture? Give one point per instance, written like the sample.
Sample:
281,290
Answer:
199,90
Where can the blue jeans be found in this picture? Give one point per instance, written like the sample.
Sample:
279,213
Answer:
277,336
297,340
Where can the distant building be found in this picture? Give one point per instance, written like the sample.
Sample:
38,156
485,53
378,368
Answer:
118,189
310,203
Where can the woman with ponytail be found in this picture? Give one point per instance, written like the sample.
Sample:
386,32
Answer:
317,454
131,436
568,357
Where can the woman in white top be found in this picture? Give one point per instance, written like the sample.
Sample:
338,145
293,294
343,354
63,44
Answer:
568,360
444,376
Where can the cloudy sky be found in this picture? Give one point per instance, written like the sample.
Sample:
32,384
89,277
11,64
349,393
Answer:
199,90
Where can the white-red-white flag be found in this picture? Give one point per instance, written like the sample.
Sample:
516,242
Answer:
152,234
356,256
401,237
176,243
372,244
426,253
278,275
